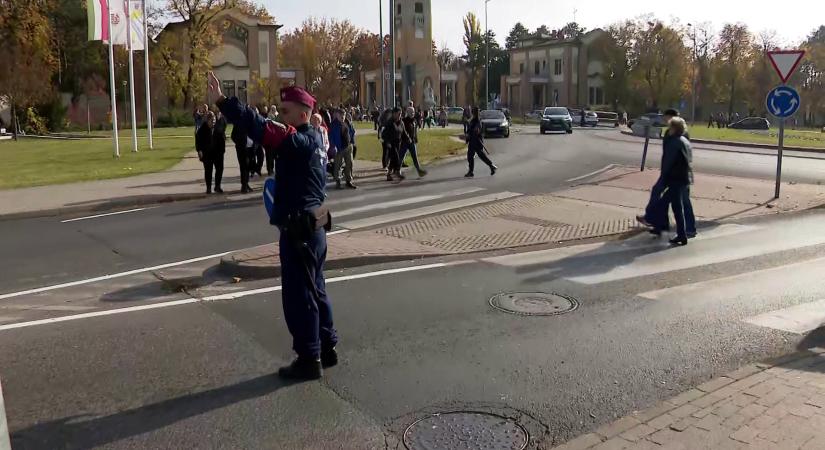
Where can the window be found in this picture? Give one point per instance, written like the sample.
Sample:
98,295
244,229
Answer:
537,68
544,65
242,91
555,96
229,88
419,8
398,9
596,96
557,69
264,53
398,63
521,68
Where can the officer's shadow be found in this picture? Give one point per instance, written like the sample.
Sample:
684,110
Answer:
93,432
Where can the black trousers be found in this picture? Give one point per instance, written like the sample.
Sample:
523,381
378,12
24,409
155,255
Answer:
259,160
213,162
270,161
243,163
394,157
482,155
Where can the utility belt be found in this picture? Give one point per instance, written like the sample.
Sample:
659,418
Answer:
301,225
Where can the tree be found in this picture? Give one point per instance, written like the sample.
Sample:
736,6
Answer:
321,48
660,63
200,18
615,51
734,51
813,75
364,55
761,76
542,31
472,42
28,43
269,88
446,58
517,34
254,9
572,31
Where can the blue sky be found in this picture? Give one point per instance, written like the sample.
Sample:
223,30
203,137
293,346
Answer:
792,24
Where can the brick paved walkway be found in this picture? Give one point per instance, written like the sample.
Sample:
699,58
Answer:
778,405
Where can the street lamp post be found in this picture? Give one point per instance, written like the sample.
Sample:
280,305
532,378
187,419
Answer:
383,61
392,53
693,73
487,64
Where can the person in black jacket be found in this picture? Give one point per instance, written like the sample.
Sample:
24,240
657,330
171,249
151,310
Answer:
410,143
242,142
475,146
393,136
677,175
210,143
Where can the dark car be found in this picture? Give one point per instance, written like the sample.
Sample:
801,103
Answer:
556,119
751,123
494,122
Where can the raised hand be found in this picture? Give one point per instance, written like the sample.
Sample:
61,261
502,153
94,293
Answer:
214,86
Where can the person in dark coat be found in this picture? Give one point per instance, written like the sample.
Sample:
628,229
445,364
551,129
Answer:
242,142
475,146
410,143
302,220
386,115
393,136
210,143
656,215
677,174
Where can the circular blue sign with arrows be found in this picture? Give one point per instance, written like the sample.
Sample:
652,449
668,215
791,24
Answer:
783,102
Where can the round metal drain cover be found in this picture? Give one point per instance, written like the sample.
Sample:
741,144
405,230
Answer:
465,430
533,303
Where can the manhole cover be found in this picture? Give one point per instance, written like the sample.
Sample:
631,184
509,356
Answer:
465,430
533,303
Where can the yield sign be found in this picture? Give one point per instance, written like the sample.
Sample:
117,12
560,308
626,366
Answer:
785,62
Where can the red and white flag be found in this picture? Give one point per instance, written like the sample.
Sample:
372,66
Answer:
99,30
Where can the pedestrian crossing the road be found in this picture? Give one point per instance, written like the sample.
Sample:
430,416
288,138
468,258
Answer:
788,297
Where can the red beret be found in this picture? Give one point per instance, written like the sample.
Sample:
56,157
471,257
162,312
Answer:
295,94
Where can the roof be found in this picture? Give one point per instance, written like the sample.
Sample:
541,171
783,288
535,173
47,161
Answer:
547,41
246,19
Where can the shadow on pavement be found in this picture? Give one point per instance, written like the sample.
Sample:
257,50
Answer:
815,338
90,432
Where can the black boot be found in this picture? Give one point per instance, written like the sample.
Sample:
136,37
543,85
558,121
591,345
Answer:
678,242
303,369
329,358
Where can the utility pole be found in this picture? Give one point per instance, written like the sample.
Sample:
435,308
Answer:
392,53
693,73
487,64
383,60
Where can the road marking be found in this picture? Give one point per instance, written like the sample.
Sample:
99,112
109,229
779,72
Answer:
594,173
737,284
109,277
798,319
333,233
604,248
5,443
232,296
427,210
790,237
107,214
405,201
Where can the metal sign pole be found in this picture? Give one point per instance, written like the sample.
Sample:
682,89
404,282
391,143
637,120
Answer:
779,156
647,143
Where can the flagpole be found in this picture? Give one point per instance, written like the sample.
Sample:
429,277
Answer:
146,65
131,75
112,81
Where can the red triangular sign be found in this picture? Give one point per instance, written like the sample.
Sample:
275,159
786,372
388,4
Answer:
786,62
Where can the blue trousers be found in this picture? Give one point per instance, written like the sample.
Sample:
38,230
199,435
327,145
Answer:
413,149
675,196
309,319
656,211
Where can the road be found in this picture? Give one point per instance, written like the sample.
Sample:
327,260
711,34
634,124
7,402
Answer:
137,364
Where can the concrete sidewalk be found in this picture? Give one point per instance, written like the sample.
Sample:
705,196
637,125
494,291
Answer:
184,181
775,405
606,205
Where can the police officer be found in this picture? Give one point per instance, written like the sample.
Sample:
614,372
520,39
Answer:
302,221
475,146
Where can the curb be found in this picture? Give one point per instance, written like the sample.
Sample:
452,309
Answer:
743,145
231,268
107,205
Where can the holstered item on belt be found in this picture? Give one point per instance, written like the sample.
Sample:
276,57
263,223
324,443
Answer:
302,225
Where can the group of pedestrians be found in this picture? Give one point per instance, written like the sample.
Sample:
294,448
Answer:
399,136
722,120
672,189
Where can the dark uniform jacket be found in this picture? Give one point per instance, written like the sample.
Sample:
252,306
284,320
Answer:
301,172
394,132
211,142
411,130
475,137
676,161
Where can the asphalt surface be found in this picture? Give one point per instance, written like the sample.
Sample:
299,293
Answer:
195,371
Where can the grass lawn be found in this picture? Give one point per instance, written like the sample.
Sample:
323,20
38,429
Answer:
432,144
142,132
793,138
38,162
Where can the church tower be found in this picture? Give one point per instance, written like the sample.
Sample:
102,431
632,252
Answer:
415,61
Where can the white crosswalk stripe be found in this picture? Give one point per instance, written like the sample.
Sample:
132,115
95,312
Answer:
405,201
798,319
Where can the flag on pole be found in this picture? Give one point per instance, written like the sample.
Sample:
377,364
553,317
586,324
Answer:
137,18
98,22
119,29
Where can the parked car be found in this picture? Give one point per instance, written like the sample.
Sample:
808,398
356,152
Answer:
536,115
494,122
751,123
455,111
654,122
556,119
507,114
